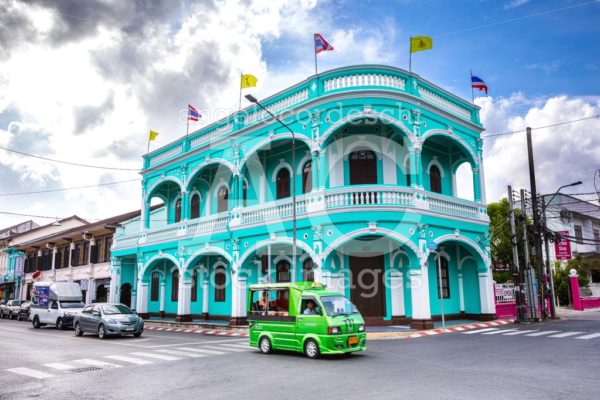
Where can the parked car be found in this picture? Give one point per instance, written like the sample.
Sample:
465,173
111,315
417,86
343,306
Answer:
105,319
2,306
55,303
23,313
10,309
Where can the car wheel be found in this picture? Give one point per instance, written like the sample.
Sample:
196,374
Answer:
311,349
101,332
18,317
78,331
59,324
1,315
265,345
138,334
36,322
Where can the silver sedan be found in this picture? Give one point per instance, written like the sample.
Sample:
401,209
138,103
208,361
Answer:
106,319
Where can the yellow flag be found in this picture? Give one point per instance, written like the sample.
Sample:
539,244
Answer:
420,43
152,136
248,81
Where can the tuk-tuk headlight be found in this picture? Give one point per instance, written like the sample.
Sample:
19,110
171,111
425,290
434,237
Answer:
361,328
334,330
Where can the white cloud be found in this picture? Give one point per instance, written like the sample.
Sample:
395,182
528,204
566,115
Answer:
515,4
562,154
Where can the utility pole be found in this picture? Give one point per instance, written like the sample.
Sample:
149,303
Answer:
548,266
529,276
515,251
539,259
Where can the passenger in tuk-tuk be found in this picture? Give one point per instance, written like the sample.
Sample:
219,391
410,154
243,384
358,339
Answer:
281,303
262,305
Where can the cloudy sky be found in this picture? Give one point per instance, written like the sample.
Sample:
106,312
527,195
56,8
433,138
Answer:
83,81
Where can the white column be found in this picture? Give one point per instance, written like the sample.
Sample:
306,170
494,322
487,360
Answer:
397,293
163,291
185,294
54,251
461,292
91,296
115,280
486,293
238,296
141,297
419,290
205,296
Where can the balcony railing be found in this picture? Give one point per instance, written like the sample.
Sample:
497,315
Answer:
352,197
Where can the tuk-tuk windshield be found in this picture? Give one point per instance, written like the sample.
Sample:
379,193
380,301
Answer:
338,305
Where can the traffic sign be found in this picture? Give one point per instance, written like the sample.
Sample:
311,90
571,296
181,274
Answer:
431,245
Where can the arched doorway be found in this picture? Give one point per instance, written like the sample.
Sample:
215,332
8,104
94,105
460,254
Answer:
125,296
101,293
363,167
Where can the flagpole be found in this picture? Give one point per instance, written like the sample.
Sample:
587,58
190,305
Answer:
410,55
472,93
315,51
240,103
187,127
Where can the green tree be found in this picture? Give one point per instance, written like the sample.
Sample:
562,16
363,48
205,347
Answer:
562,285
500,238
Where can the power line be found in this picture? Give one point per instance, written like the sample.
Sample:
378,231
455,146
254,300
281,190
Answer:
68,162
71,188
542,127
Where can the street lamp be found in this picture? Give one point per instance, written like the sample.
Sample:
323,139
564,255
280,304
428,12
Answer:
254,100
549,270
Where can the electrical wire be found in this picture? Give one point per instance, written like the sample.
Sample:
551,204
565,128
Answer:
68,162
541,127
71,188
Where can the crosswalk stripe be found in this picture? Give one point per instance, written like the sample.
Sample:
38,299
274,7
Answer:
520,332
157,356
59,366
238,345
542,333
30,372
480,331
200,350
223,348
500,331
565,334
591,336
182,353
97,363
129,360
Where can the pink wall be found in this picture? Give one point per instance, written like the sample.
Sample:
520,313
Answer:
506,310
592,302
579,303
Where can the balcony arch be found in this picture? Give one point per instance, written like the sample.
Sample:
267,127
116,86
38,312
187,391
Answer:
150,192
472,157
219,162
271,139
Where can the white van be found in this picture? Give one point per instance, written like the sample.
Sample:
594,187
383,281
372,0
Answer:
55,303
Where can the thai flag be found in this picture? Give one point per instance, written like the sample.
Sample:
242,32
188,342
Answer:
321,44
478,83
193,114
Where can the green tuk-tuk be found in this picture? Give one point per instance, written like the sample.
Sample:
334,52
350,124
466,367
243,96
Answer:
304,317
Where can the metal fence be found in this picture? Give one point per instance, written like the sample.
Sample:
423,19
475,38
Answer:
505,292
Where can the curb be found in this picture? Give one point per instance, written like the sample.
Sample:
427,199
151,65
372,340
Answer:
460,328
212,332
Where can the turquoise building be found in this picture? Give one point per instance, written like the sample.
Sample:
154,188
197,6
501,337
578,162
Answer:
376,154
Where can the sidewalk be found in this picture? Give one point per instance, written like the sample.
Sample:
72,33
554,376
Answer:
568,313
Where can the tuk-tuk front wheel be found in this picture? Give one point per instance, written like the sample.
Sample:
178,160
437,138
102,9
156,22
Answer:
311,349
265,345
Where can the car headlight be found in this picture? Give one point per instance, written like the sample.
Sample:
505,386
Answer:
334,330
361,328
111,321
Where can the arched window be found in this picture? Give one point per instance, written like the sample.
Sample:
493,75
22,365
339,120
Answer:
178,210
444,289
223,199
195,206
195,285
154,286
307,177
220,284
175,286
435,179
308,270
363,167
283,183
245,193
125,295
282,271
407,169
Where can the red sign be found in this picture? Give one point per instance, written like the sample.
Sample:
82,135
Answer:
562,249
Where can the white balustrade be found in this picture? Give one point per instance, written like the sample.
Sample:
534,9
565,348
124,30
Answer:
444,103
354,196
452,206
356,80
206,137
278,106
163,155
208,224
273,211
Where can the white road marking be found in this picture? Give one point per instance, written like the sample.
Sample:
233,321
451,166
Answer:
222,347
129,360
182,353
97,363
591,336
520,332
566,334
480,331
239,346
157,356
200,350
499,332
542,333
30,372
59,366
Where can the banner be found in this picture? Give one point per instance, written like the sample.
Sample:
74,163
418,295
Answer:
562,249
19,264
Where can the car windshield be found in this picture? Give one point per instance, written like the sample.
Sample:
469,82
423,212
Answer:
116,309
64,304
16,303
338,305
